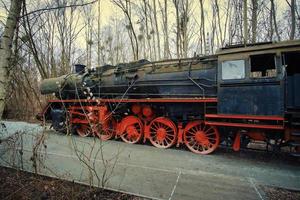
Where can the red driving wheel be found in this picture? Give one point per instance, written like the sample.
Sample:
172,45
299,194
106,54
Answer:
84,130
201,138
105,132
162,132
131,129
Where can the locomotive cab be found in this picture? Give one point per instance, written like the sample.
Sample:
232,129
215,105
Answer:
250,82
258,96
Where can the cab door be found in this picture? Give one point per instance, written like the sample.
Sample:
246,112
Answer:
291,60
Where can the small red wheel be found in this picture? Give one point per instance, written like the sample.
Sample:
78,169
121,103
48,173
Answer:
201,138
131,129
162,132
84,130
105,132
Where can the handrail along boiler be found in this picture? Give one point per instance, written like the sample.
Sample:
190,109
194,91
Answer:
240,94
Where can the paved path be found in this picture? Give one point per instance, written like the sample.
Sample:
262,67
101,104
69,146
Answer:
147,171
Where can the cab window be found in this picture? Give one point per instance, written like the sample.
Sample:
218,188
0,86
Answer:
263,66
233,69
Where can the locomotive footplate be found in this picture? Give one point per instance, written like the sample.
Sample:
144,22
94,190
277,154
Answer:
146,100
246,121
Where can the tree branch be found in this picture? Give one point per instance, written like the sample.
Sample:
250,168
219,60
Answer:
59,7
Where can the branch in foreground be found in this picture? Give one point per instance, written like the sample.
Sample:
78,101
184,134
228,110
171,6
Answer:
59,7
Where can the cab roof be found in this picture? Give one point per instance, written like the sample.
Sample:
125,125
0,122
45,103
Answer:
239,48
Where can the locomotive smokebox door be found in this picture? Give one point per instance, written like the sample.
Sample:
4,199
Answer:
250,82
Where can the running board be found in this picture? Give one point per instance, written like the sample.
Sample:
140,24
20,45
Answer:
246,121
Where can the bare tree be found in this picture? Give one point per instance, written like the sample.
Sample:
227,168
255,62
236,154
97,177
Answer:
274,20
245,22
148,36
183,12
5,50
220,35
126,8
202,28
293,18
152,33
156,29
228,15
99,34
164,14
88,16
31,43
254,20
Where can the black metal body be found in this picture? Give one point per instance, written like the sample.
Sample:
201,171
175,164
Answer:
193,78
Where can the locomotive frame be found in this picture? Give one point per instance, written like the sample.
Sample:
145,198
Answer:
252,95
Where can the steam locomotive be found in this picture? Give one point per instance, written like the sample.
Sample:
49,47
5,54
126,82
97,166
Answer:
239,95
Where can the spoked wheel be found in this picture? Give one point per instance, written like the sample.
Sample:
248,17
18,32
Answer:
201,138
162,132
131,129
84,130
105,132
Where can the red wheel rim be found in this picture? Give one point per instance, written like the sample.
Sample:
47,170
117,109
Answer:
201,138
83,130
105,132
162,132
132,129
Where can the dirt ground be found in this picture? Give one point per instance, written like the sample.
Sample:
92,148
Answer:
22,185
273,193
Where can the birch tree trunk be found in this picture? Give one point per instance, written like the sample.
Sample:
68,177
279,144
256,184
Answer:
271,31
164,13
184,27
99,34
148,36
219,23
274,19
245,21
254,20
156,27
293,20
203,27
5,48
176,4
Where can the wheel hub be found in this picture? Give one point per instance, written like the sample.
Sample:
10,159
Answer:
201,138
131,131
161,134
